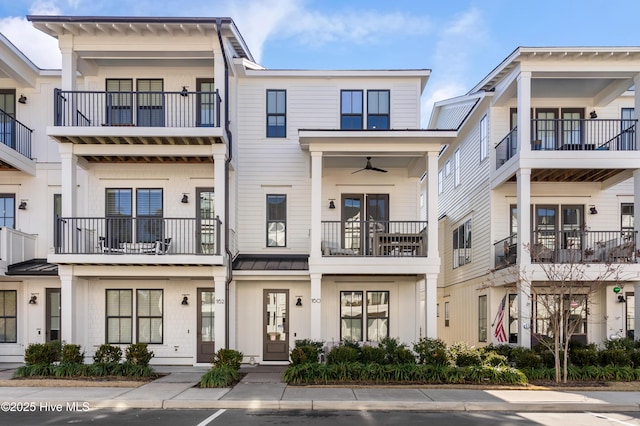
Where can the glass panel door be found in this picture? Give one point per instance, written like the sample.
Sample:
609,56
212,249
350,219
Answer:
150,103
205,215
206,103
546,129
119,100
352,217
546,225
53,314
572,138
276,326
626,141
206,324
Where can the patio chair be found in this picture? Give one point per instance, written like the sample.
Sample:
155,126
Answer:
163,246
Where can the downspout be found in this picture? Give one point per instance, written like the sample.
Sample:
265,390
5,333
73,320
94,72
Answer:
226,184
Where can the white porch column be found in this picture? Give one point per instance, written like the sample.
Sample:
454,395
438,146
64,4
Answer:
69,62
524,313
68,166
524,111
636,208
636,318
220,196
636,111
432,205
220,326
316,205
68,308
431,306
315,330
524,216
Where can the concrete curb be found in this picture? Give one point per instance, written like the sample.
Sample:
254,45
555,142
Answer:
439,406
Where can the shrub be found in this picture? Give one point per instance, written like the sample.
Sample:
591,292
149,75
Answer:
318,344
525,358
41,353
107,354
431,351
625,344
396,352
219,376
227,357
582,357
504,350
617,357
71,354
464,355
548,359
305,353
494,359
341,354
373,354
635,358
138,354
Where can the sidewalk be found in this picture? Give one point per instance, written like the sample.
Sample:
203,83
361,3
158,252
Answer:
262,388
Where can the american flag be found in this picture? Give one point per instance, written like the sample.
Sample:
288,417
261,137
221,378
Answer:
499,332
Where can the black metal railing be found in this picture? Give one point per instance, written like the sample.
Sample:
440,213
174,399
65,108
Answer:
137,235
142,109
507,147
583,246
506,251
583,134
374,238
14,134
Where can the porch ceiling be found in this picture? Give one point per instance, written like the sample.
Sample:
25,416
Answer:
571,175
147,159
136,140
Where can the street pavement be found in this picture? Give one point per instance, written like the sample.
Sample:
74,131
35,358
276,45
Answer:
262,388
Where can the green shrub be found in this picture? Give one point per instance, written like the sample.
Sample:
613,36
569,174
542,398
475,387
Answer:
342,354
494,359
504,350
396,352
625,344
525,358
71,354
618,357
305,353
228,357
582,357
373,355
107,354
548,359
220,376
138,354
464,355
635,358
41,353
431,351
318,344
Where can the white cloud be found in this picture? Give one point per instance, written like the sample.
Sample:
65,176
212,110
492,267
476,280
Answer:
44,7
36,45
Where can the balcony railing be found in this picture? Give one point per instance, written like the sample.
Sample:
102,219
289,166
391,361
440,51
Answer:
575,246
14,134
137,235
572,135
16,246
374,238
143,109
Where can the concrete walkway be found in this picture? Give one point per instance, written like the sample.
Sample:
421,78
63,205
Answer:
262,388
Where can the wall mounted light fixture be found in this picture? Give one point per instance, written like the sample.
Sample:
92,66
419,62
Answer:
33,300
621,299
22,99
299,301
184,91
185,300
23,205
332,205
593,114
185,198
592,210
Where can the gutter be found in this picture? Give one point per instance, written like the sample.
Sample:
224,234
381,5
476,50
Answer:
226,184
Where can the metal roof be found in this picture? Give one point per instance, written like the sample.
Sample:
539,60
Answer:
33,267
260,262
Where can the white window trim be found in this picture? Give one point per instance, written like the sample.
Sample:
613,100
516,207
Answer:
484,138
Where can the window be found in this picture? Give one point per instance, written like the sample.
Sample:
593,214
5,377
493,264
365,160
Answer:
378,109
456,167
351,315
626,218
482,318
447,168
149,310
149,225
377,315
7,124
118,212
572,311
8,210
119,316
276,113
484,139
462,244
446,314
119,100
276,220
351,110
8,316
207,98
440,182
150,102
626,141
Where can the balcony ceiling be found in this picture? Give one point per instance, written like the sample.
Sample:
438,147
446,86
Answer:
571,175
561,88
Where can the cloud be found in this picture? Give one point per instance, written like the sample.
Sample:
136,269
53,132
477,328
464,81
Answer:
36,45
44,7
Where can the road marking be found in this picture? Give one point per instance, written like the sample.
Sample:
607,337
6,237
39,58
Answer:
611,419
211,418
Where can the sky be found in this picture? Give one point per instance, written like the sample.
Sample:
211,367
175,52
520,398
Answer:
461,41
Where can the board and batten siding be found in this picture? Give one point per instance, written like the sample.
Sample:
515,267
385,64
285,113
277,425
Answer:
280,166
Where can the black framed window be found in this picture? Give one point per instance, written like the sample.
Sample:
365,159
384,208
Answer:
446,314
378,109
149,212
627,224
150,102
276,220
119,316
149,315
462,244
8,210
276,113
351,109
351,315
482,318
8,316
119,99
118,212
377,315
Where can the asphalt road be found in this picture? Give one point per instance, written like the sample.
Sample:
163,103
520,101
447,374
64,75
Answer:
333,418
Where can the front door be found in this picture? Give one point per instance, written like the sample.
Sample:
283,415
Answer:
206,323
53,314
276,326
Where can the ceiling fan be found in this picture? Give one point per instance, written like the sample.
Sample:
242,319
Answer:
370,167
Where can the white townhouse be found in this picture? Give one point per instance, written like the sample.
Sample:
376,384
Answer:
545,170
164,188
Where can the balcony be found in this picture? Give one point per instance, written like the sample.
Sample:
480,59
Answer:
572,135
15,247
574,246
15,135
374,238
138,236
182,109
